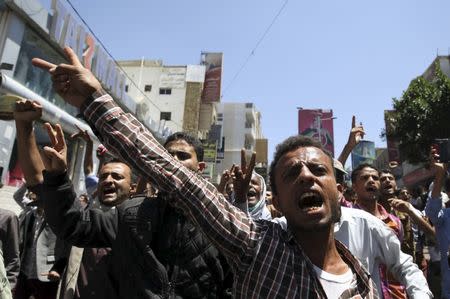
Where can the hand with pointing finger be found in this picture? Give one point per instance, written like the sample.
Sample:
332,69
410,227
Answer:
73,82
356,133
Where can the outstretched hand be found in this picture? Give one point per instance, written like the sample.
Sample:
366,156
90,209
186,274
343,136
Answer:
73,82
242,176
55,157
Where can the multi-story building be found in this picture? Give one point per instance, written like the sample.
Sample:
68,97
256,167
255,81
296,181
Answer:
169,95
241,128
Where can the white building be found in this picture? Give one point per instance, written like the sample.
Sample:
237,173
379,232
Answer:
241,128
166,95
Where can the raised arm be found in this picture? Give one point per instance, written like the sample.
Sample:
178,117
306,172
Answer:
29,158
356,134
434,203
232,231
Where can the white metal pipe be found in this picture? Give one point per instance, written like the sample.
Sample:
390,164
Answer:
51,112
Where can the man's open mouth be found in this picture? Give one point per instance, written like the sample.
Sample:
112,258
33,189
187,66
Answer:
371,189
310,201
109,191
251,193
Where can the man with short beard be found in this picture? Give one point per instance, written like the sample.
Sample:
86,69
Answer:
388,192
366,184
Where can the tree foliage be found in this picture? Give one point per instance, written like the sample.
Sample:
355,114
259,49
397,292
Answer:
421,115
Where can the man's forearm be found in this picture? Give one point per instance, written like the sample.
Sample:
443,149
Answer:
417,218
29,157
344,155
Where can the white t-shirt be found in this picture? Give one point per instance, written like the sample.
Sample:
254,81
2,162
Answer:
334,285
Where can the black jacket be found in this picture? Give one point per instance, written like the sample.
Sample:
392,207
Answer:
156,252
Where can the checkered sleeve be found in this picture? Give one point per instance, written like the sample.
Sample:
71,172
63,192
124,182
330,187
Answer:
232,231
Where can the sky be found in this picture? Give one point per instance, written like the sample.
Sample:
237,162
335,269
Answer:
350,56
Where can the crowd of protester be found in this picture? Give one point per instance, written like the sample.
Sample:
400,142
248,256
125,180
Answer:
304,232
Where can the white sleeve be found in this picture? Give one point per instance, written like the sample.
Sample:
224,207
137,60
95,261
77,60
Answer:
401,265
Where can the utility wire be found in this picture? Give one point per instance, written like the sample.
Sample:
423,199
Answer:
252,53
115,61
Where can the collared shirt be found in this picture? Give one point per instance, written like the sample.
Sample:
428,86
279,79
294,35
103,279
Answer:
373,244
266,260
441,219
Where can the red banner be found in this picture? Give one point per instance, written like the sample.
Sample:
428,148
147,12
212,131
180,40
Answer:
213,77
318,124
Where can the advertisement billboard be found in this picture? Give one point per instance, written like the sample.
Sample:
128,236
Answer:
364,152
318,124
213,77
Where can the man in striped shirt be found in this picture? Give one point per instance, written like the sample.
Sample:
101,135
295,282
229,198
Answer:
268,262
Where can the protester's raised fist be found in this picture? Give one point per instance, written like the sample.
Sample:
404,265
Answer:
27,111
73,82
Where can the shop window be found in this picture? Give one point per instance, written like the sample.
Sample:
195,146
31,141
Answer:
34,78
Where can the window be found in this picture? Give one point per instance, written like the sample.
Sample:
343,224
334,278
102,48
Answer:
165,91
126,88
147,88
248,105
166,115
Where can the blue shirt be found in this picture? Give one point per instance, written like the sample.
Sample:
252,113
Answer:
441,219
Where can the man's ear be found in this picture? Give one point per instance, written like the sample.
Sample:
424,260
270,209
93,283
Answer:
201,166
275,202
133,187
340,188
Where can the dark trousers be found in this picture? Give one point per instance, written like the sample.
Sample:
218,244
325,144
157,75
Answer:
26,288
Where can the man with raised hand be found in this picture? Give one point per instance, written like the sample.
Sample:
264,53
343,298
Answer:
43,255
267,261
440,217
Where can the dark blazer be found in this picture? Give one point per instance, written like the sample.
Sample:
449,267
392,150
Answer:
51,252
9,244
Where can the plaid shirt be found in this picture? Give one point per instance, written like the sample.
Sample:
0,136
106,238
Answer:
267,262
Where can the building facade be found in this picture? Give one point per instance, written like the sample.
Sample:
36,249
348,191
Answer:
241,128
166,95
